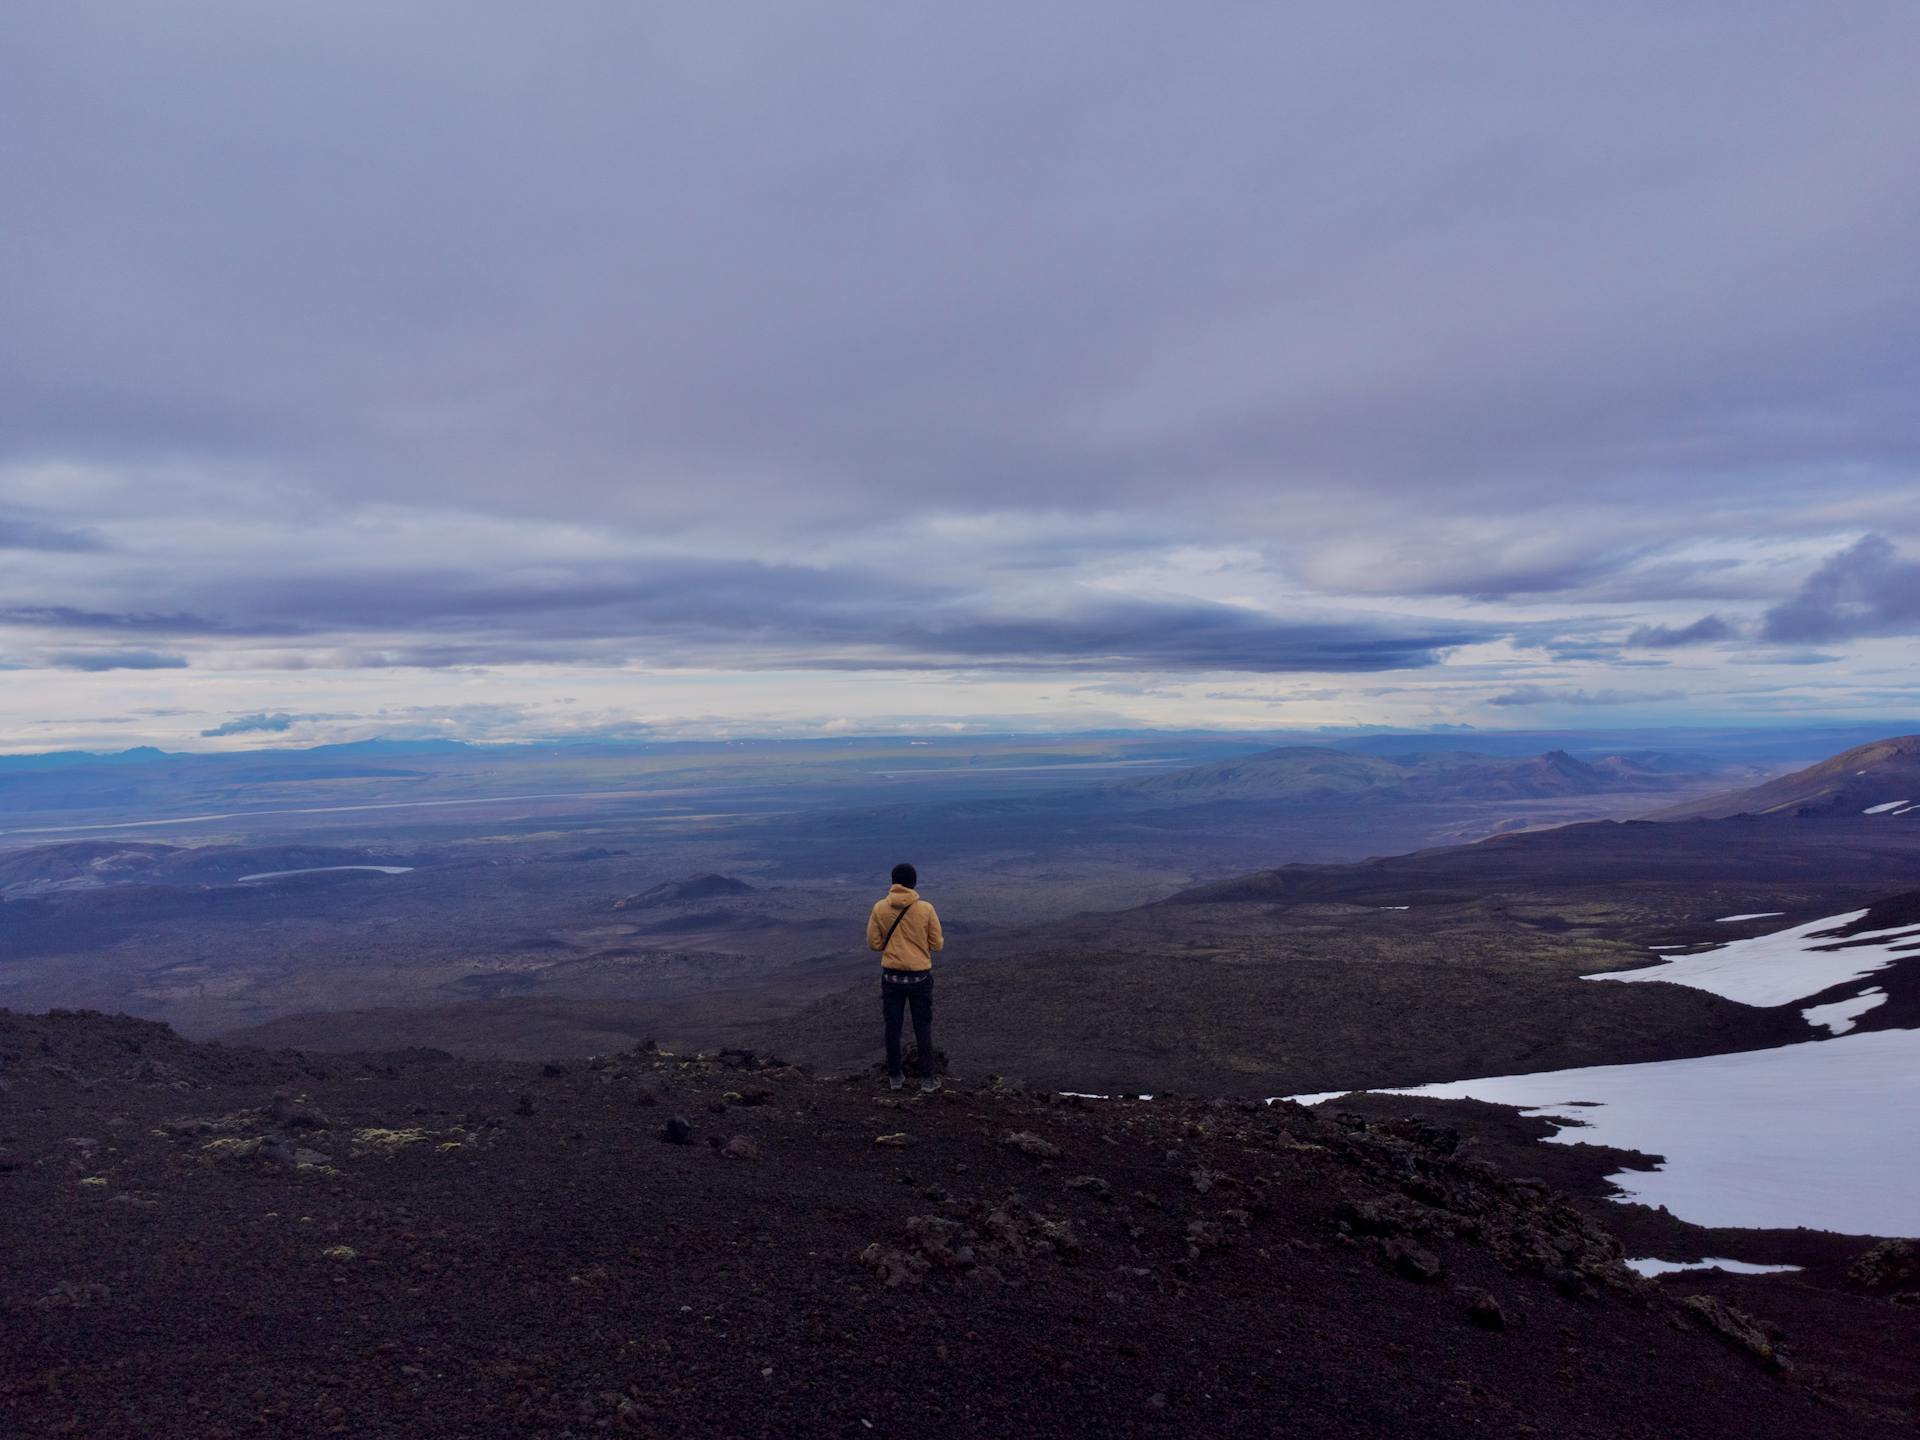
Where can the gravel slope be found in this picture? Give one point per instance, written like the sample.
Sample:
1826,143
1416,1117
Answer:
410,1245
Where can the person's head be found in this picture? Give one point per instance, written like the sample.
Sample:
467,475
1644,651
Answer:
906,875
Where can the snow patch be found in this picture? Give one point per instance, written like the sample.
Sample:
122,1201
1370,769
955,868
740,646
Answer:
1839,1016
1737,1267
1758,915
1823,1133
1781,967
1086,1095
322,870
1882,809
1317,1098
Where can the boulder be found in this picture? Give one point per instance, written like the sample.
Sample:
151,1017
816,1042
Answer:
1890,1265
291,1114
1736,1327
1412,1261
1484,1311
1028,1143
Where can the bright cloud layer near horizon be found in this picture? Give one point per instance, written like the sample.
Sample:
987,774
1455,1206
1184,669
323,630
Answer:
496,372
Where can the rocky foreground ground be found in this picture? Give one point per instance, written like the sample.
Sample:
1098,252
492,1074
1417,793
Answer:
202,1241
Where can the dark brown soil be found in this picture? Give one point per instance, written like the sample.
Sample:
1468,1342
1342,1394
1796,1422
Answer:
507,1249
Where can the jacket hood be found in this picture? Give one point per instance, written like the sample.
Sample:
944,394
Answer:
901,895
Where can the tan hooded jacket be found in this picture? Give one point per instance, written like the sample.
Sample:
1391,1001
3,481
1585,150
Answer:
917,938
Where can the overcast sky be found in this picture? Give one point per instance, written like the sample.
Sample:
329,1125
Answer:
499,370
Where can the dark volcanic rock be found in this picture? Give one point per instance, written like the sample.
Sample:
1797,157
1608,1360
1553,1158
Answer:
989,1241
677,1131
1736,1327
1890,1265
1028,1143
1485,1312
556,1276
1412,1261
276,1151
291,1114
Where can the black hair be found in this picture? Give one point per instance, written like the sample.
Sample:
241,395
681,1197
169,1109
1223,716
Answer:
906,875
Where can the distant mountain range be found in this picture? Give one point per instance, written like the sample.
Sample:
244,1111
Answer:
1881,779
1317,774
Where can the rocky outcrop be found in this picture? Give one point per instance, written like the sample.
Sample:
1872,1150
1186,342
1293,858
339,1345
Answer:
1890,1265
984,1243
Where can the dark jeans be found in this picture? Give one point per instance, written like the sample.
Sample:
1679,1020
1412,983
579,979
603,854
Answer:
895,997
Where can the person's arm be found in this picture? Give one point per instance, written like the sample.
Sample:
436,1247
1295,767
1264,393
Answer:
935,940
876,933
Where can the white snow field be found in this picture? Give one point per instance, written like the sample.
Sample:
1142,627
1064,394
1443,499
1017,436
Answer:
1882,809
1839,1016
1757,915
1823,1133
1781,967
1738,1267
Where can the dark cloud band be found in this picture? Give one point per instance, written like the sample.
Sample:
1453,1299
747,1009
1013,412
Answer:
1865,590
678,612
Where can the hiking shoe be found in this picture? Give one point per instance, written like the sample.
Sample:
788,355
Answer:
895,1082
930,1084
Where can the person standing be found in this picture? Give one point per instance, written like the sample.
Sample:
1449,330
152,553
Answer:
905,929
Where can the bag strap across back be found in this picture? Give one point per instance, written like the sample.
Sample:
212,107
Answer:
895,926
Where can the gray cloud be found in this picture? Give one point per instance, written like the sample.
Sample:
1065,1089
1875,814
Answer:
1704,631
252,725
1584,650
1130,688
19,534
1545,695
116,660
1788,657
918,251
68,617
144,715
1467,565
677,611
1866,589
